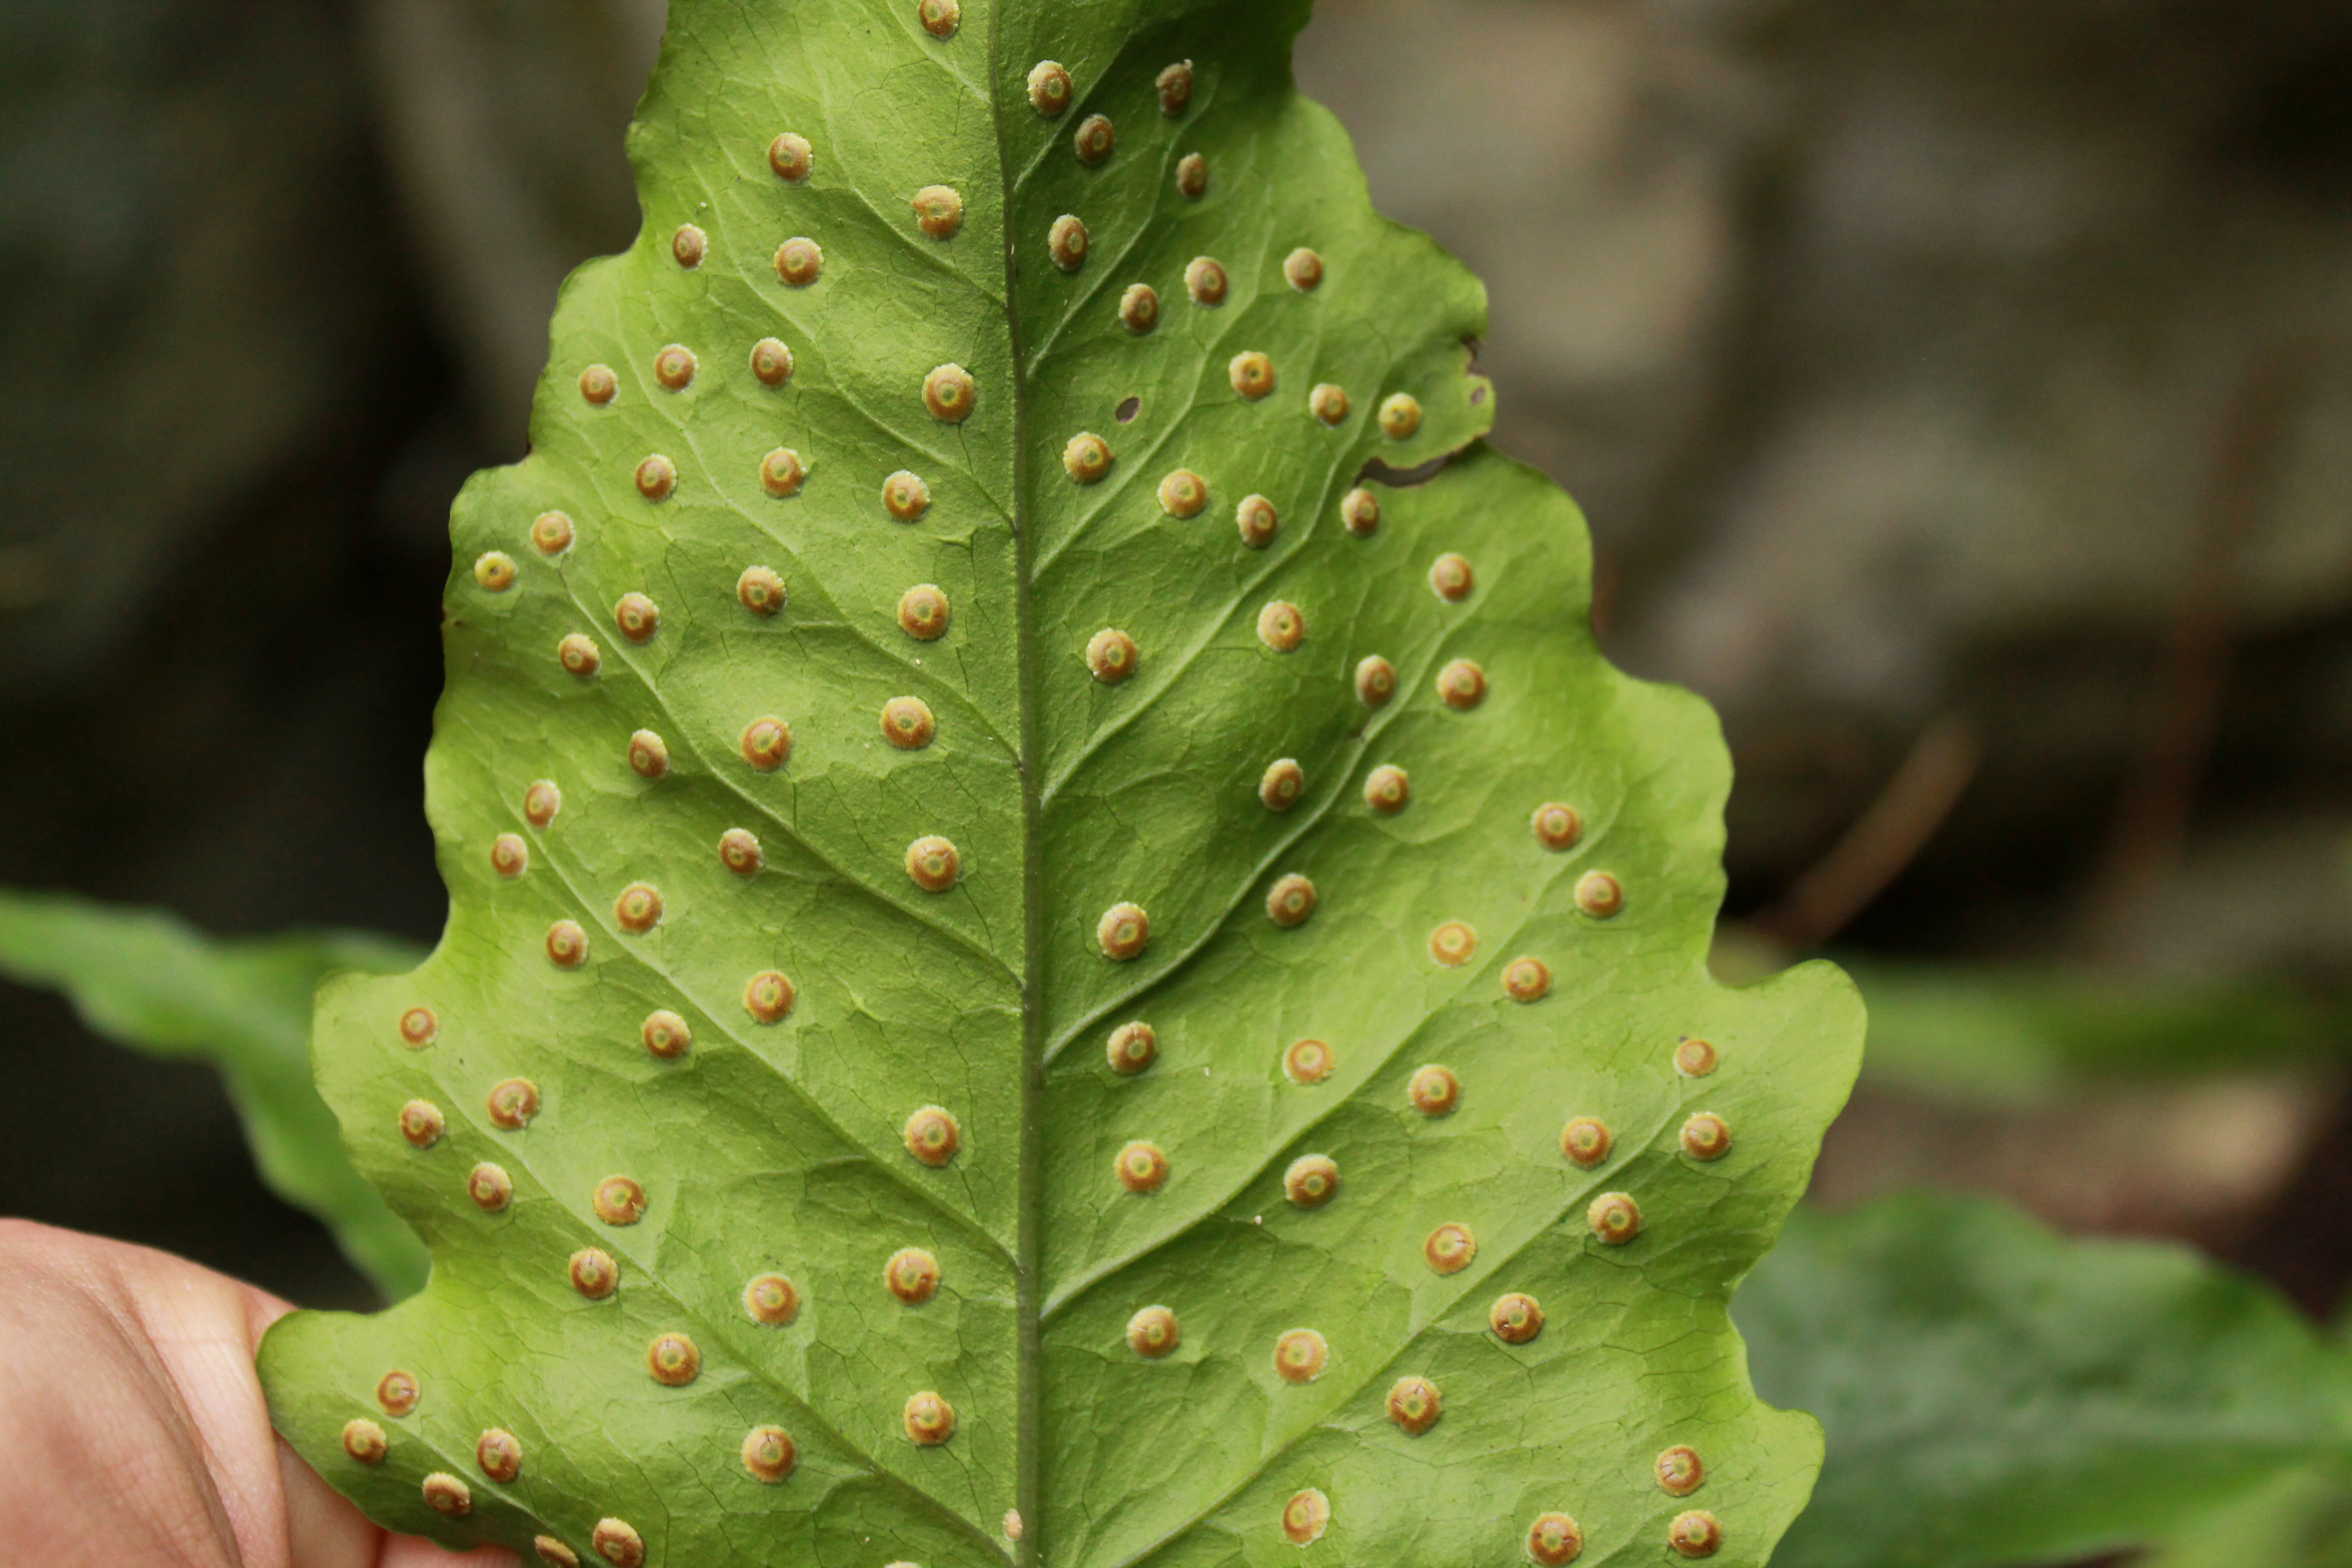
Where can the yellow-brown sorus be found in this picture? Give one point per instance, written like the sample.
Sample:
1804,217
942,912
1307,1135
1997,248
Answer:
494,571
665,1035
1312,1181
1152,1333
447,1496
1328,401
905,496
1281,625
567,944
1111,655
552,533
923,612
1123,932
1450,1248
739,852
783,472
907,724
592,1271
489,1186
1415,1404
398,1391
1556,826
1526,980
656,477
1680,1471
932,1136
930,1419
799,261
1696,1534
1554,1540
1451,578
1434,1090
768,1453
1694,1057
1183,493
1255,519
540,801
1309,1061
365,1440
553,1552
674,367
771,362
673,1360
1587,1140
511,1103
1453,944
1141,1167
1303,270
768,996
940,18
1707,1136
1174,85
1306,1517
1094,139
1614,1217
618,1200
1086,456
579,656
1360,509
599,385
1205,280
617,1542
421,1123
1516,1317
1376,681
1462,685
760,591
1279,787
499,1453
1131,1047
767,744
1291,900
912,1274
938,211
1388,789
1049,88
636,616
1139,308
1300,1355
1400,416
933,863
638,909
1192,180
1252,373
1066,241
947,393
789,156
1599,895
419,1026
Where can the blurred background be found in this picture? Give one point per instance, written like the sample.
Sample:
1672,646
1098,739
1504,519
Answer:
1960,394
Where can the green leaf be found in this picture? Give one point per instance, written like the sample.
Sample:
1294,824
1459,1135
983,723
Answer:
786,1140
1994,1394
146,980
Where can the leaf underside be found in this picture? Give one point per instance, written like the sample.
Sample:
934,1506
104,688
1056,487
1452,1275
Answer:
783,1147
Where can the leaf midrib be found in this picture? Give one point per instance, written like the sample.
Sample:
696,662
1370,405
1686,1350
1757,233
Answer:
1029,1437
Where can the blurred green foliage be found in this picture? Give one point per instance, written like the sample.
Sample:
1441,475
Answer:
147,980
1994,1394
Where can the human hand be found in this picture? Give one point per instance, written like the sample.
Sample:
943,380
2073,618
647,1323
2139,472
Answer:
133,1427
